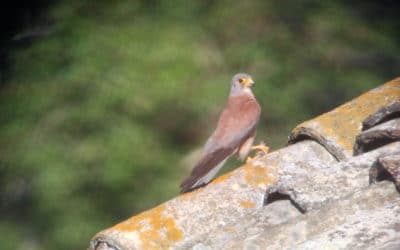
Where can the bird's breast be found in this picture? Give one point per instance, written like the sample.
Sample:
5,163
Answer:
241,113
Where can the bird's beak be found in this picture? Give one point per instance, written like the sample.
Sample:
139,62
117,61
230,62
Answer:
248,82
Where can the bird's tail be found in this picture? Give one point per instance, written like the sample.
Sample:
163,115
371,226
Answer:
206,169
189,184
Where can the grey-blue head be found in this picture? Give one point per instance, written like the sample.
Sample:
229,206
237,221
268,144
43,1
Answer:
240,83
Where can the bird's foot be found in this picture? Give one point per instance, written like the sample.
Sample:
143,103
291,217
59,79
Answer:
261,148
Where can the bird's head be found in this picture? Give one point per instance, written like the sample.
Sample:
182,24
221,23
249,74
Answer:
241,82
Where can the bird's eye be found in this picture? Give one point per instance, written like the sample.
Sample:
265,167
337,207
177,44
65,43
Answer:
240,80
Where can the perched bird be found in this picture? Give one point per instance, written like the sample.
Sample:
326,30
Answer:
234,134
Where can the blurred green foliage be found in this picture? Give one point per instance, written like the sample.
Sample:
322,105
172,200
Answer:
97,117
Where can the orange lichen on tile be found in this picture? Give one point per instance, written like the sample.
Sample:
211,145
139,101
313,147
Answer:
342,124
188,195
223,177
256,176
247,204
154,229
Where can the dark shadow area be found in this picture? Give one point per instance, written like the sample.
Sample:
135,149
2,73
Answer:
386,118
375,144
20,23
378,173
276,196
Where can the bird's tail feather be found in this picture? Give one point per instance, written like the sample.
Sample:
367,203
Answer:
206,169
189,184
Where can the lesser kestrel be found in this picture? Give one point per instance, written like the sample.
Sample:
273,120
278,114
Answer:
234,134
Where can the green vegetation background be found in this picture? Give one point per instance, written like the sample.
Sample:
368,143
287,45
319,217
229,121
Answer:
100,117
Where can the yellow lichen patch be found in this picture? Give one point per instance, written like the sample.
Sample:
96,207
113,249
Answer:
257,176
247,204
173,234
189,195
342,124
223,177
154,229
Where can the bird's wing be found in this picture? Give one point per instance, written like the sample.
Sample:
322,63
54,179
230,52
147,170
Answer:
237,122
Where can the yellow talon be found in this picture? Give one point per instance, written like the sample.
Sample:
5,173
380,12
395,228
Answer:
262,147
